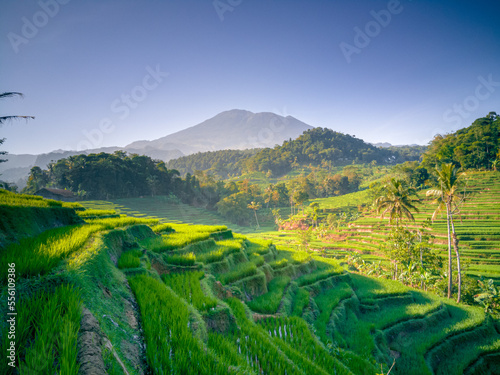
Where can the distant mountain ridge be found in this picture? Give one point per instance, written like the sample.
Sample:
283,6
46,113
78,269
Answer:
235,129
387,145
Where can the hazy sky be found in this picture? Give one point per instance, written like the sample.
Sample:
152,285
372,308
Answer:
104,73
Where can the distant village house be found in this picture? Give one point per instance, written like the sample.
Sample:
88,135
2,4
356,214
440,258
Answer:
57,194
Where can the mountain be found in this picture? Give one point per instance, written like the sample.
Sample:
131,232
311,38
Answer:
387,145
382,144
17,161
234,129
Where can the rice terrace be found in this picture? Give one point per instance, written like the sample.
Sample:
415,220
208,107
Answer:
250,187
336,270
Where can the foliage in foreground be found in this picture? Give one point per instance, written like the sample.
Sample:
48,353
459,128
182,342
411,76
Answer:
46,334
171,347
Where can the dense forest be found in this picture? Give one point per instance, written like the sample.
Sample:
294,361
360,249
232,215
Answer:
223,163
320,147
476,146
106,176
118,175
317,147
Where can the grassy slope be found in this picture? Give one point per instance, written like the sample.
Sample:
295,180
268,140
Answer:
478,227
161,208
350,322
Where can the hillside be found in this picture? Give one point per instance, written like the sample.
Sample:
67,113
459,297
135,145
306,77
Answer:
477,226
325,147
134,296
234,129
223,163
475,146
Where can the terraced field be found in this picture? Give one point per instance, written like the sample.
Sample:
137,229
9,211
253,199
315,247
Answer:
360,320
213,302
477,227
163,209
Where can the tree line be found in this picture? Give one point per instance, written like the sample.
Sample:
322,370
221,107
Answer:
107,176
118,175
222,164
316,147
476,146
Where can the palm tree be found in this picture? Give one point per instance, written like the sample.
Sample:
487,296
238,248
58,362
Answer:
255,206
4,119
397,201
495,163
446,197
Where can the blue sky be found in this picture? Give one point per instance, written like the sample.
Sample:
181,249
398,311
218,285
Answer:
107,73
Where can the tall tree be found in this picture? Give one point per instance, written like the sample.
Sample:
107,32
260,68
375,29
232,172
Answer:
4,119
255,206
398,201
447,198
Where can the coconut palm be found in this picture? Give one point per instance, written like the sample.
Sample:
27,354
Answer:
495,163
4,119
397,201
7,118
255,206
447,198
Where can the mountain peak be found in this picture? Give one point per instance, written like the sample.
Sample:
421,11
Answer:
232,129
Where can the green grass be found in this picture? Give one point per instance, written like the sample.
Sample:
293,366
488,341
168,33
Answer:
297,341
326,302
415,337
46,332
300,301
162,208
170,345
174,241
258,246
96,213
130,259
13,199
187,285
241,271
343,201
325,268
177,236
269,302
277,264
254,343
184,260
38,255
224,248
167,228
367,288
393,313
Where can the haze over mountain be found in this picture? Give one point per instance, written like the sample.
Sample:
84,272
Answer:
235,129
